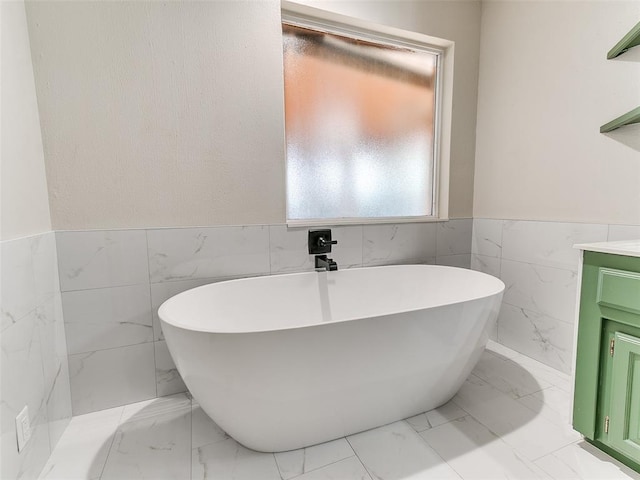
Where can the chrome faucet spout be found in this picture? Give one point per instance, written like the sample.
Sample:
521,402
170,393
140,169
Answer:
324,263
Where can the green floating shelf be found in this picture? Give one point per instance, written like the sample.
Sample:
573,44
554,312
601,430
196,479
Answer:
631,39
627,119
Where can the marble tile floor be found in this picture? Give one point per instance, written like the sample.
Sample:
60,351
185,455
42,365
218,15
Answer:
509,420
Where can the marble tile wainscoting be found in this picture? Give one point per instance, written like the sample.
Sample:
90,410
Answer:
539,266
113,282
34,365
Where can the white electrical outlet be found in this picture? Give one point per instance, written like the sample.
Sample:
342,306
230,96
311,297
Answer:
23,428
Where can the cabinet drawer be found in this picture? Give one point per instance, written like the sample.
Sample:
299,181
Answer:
619,289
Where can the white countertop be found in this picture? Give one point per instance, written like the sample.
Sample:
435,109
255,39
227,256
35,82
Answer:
629,248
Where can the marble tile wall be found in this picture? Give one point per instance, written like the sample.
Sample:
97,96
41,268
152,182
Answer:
539,267
113,282
34,368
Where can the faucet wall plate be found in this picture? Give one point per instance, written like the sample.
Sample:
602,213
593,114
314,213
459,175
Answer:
315,245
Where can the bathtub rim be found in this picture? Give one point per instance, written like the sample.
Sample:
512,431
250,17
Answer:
162,310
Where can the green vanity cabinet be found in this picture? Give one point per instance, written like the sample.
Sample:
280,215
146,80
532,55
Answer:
606,407
624,429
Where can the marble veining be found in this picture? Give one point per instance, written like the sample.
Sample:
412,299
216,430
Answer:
204,431
395,451
490,265
483,433
98,259
396,244
501,374
55,366
229,459
454,237
116,349
18,281
33,353
444,414
499,412
487,237
546,290
473,451
539,266
419,422
165,290
438,416
190,253
168,379
288,249
153,444
114,281
537,335
297,462
45,266
457,260
554,404
548,243
104,318
74,272
111,377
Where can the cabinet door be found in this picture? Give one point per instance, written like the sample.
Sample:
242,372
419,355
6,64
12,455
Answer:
624,429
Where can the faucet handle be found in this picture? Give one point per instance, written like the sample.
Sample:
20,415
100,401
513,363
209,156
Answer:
320,241
323,243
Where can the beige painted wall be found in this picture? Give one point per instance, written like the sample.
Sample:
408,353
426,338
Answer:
170,113
545,89
160,113
24,204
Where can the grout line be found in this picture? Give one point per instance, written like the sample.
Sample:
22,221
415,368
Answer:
191,437
146,245
275,462
113,439
424,440
405,420
115,348
564,269
501,250
323,466
153,332
537,312
359,459
269,249
155,368
57,259
361,247
107,287
541,400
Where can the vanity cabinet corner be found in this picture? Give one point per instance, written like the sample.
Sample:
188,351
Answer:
606,406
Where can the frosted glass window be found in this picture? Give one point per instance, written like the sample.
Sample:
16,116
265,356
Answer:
359,123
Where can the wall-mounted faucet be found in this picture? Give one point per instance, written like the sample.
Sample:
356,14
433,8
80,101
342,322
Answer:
324,263
320,243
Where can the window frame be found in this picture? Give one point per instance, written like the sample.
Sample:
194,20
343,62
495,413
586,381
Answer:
332,23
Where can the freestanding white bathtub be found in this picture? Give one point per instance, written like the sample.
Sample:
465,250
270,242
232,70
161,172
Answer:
287,361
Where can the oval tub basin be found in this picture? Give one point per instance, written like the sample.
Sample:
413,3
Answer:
287,361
